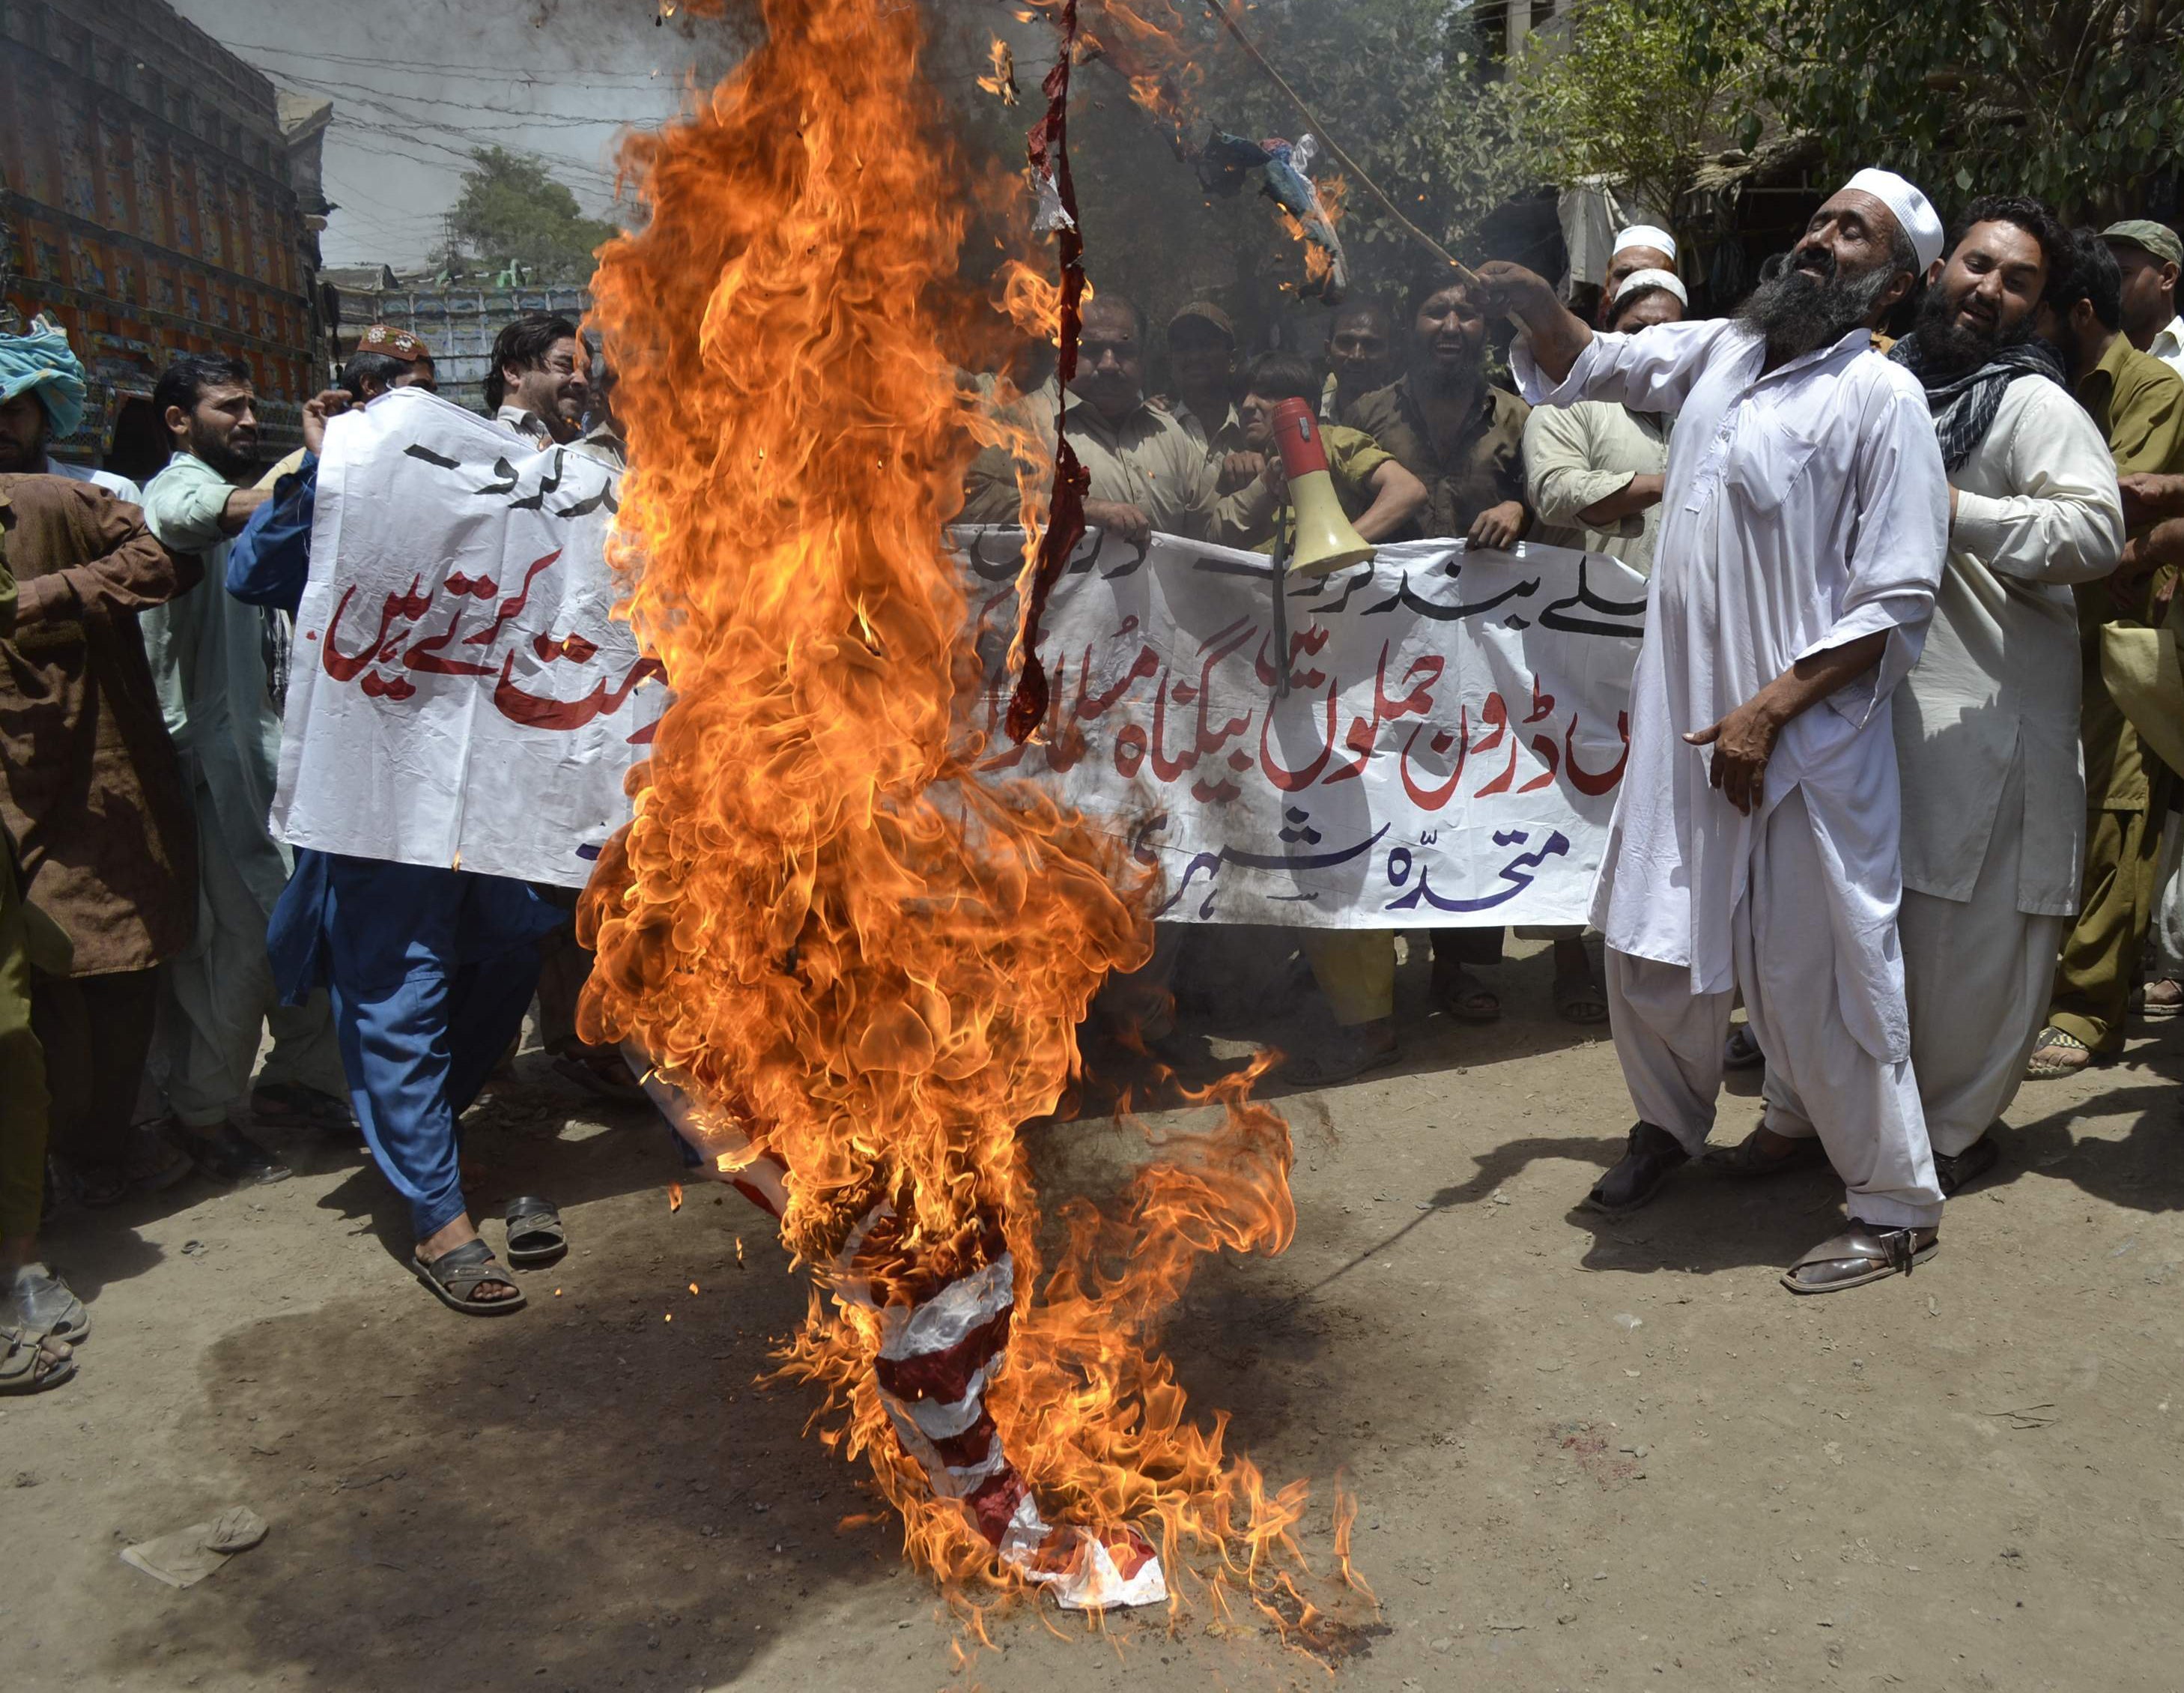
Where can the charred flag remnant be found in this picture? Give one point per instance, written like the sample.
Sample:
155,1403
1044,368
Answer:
462,693
1447,753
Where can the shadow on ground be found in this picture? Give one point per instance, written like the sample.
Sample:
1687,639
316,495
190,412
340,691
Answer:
581,1495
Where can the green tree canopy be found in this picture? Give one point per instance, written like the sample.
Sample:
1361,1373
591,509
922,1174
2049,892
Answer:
2081,105
1642,90
512,212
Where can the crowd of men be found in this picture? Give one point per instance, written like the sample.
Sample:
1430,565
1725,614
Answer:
153,932
1878,788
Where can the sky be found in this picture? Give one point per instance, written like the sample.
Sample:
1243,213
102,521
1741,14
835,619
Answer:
417,83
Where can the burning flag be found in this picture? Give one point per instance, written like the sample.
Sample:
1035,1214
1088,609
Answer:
854,969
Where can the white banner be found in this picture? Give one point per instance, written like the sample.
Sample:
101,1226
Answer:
459,694
1446,753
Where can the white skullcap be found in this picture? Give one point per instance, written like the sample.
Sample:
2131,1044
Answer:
1649,279
1645,235
1914,212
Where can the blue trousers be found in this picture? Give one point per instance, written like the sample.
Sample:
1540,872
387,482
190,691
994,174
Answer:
429,971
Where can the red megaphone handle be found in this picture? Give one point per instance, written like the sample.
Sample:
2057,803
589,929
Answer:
1296,433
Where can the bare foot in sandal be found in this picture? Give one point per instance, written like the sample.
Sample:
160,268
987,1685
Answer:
2056,1053
461,1270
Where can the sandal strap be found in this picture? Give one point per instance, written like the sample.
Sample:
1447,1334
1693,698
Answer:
2052,1037
531,1208
461,1270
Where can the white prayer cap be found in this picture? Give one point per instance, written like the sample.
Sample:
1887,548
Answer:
1914,212
1638,280
1645,235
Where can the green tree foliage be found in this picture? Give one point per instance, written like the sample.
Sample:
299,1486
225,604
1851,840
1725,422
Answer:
2078,104
1642,90
512,212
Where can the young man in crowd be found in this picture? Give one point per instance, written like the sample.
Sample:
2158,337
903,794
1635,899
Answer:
2150,257
388,358
1593,472
1201,369
2137,405
1355,968
92,796
1379,497
27,402
1359,340
1464,439
429,969
1986,727
222,667
1755,840
540,381
1146,473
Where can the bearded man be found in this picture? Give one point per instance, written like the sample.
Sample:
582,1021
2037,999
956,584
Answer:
1754,845
220,666
1986,727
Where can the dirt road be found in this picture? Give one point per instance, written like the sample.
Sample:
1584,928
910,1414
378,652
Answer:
1587,1454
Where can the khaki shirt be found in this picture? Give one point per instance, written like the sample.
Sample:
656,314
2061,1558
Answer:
1577,455
1225,436
2137,403
1146,460
1249,518
1484,467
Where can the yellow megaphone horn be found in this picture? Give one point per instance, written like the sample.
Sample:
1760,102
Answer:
1324,539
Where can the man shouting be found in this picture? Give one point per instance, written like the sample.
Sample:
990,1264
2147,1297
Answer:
1754,847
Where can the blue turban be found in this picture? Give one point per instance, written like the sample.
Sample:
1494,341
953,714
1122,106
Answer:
41,363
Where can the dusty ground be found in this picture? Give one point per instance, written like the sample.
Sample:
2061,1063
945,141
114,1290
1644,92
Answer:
1588,1454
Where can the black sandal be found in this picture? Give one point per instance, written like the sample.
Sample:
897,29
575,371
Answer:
535,1233
455,1277
1745,1158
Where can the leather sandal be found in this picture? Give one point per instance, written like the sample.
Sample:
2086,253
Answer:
455,1277
1649,1157
1744,1158
1863,1253
535,1233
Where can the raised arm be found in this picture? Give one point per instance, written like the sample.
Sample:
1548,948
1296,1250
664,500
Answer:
124,568
1558,336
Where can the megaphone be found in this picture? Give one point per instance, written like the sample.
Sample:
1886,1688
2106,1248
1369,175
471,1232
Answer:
1324,539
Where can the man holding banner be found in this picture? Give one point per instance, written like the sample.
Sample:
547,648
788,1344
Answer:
1755,840
461,717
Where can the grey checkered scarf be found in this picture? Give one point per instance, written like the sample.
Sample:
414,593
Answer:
1964,404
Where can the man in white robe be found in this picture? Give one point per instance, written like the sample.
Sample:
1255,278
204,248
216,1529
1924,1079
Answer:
1754,846
1986,727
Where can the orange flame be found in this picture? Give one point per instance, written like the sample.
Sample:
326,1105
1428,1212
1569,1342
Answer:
1003,81
854,953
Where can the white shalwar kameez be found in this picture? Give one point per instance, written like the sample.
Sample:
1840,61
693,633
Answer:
1805,508
1986,743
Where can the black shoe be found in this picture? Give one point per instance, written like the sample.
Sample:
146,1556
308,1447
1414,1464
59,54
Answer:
227,1154
1955,1171
1651,1154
